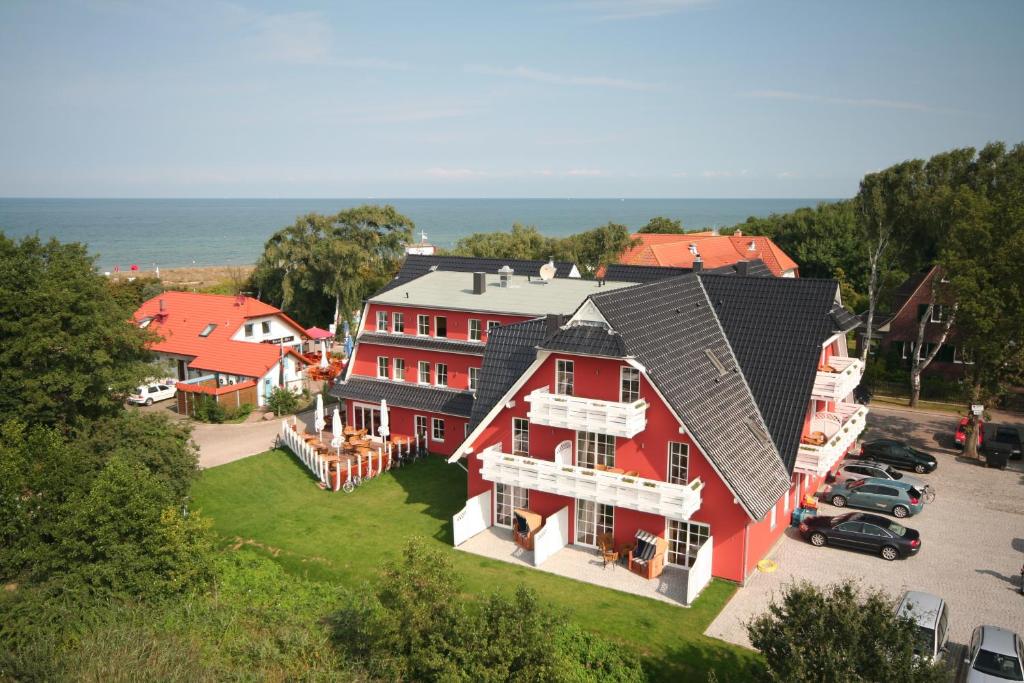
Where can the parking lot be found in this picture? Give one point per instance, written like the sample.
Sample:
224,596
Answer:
972,540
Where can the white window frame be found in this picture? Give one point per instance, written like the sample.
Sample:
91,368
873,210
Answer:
520,436
903,349
633,373
420,367
420,425
785,503
772,519
512,497
438,327
420,319
383,367
382,321
565,376
591,444
598,519
434,423
398,369
441,372
475,332
936,311
266,327
491,324
474,378
249,329
398,322
673,452
693,535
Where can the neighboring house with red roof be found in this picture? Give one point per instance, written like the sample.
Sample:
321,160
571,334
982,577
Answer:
710,250
217,341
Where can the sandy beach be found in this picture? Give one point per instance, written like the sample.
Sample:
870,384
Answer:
193,276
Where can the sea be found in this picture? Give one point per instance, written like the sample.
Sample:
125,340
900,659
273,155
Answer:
174,233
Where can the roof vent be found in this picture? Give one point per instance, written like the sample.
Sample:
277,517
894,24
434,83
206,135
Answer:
717,363
162,306
505,276
752,246
698,264
693,249
479,283
433,268
756,430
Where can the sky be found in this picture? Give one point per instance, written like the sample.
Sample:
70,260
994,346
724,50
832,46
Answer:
573,98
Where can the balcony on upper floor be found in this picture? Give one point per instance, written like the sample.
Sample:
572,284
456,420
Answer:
614,418
837,379
831,434
675,501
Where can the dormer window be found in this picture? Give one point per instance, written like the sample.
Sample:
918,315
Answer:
208,329
248,329
266,327
752,246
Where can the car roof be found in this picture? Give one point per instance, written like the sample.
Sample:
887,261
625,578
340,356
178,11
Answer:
898,483
867,462
922,607
874,519
998,640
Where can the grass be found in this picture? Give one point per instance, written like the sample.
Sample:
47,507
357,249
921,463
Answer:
904,402
270,502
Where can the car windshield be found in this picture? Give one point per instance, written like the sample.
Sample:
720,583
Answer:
1001,666
897,529
925,643
894,473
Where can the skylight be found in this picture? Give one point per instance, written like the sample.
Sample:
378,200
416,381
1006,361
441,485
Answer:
717,363
144,323
208,329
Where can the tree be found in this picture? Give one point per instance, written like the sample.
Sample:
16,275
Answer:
67,347
591,249
662,225
837,635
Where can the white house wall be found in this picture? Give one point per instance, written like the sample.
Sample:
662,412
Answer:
278,329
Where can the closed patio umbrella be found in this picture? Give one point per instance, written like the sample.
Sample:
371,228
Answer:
323,355
384,429
336,430
318,417
348,346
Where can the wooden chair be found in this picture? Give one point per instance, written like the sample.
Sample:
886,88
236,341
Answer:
648,558
606,544
525,525
814,439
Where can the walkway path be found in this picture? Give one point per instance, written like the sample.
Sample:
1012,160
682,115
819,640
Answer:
224,443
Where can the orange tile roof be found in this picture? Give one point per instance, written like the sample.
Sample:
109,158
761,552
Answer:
186,314
715,251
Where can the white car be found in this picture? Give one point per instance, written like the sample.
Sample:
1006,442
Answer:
151,393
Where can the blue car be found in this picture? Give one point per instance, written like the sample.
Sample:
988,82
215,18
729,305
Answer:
899,498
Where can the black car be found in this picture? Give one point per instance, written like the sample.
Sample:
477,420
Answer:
899,455
862,531
1001,442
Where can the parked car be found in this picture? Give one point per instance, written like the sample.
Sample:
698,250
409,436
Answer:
995,654
862,531
869,469
961,432
930,614
899,498
148,394
1002,441
899,455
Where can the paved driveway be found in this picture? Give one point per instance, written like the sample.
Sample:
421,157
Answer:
972,541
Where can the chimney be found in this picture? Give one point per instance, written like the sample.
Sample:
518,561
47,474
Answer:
162,305
738,233
743,267
479,283
552,322
698,265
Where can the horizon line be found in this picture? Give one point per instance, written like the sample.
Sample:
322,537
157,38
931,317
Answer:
386,198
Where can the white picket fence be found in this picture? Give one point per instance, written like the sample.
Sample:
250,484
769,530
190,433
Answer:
309,457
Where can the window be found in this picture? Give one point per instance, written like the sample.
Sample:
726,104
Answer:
437,429
563,377
475,333
424,372
421,426
398,323
684,540
382,321
491,324
474,378
441,374
961,355
904,349
208,329
399,370
595,449
678,460
772,519
382,367
937,313
265,326
248,329
423,325
520,436
506,499
851,527
592,520
440,326
629,384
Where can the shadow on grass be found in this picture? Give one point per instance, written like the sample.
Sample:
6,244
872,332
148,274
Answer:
695,660
299,465
439,487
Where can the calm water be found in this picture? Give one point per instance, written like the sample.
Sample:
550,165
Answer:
182,232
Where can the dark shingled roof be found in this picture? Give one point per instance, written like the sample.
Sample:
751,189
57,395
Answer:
592,340
405,395
426,343
510,351
671,328
623,272
416,266
844,320
776,329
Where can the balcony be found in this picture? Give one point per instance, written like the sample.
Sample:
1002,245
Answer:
675,501
837,385
587,414
840,429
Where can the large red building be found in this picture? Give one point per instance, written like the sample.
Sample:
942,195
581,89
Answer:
699,408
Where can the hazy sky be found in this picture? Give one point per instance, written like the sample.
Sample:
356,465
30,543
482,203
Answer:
581,98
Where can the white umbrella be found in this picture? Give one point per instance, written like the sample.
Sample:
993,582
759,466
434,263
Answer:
383,429
318,418
323,355
336,430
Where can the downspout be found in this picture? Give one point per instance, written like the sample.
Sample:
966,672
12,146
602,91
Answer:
743,573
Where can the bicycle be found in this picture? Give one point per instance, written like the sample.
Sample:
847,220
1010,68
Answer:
929,494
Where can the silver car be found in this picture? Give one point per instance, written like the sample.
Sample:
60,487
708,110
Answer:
930,614
853,470
994,654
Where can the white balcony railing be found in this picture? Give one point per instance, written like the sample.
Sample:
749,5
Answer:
837,385
587,414
675,501
840,428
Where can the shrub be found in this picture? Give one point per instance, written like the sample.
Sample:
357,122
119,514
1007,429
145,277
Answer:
237,414
282,401
207,409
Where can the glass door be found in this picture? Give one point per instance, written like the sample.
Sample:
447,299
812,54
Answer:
592,520
684,540
506,499
366,417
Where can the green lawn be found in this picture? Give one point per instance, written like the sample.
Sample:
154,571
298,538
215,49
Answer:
270,502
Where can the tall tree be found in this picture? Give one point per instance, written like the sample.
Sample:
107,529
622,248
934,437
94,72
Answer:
67,347
662,225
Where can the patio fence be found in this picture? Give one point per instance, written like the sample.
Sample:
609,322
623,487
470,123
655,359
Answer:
309,457
699,574
552,537
473,518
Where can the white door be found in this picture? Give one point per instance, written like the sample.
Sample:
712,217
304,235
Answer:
506,499
684,540
592,520
367,417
